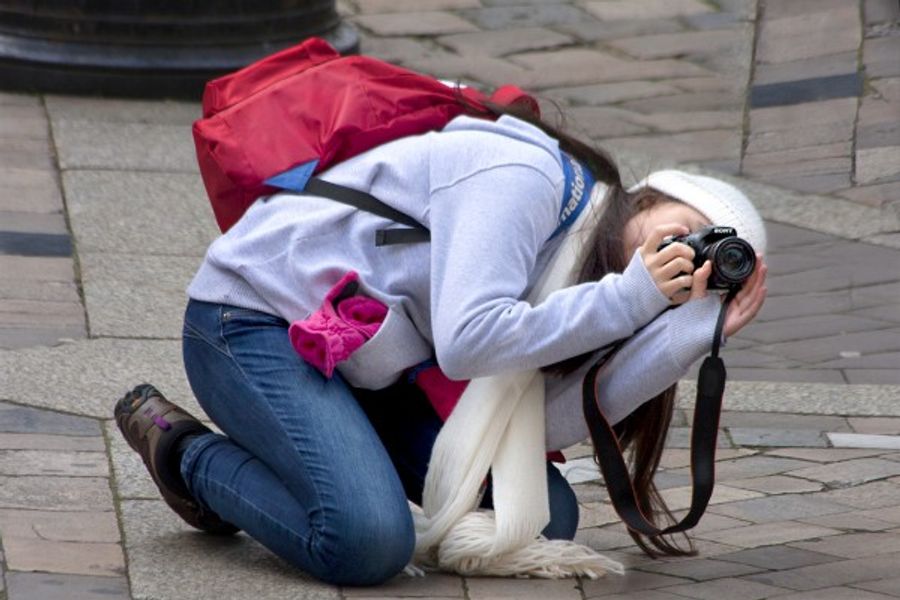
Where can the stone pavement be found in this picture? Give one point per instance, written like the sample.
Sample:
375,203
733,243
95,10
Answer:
103,219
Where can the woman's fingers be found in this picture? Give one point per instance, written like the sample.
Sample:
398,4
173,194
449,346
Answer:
701,279
676,267
659,233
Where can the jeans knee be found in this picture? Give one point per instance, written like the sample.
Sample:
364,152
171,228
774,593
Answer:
370,549
564,512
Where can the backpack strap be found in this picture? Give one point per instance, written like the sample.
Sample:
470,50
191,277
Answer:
414,233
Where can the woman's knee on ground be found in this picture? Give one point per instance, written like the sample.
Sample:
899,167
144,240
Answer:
367,545
563,507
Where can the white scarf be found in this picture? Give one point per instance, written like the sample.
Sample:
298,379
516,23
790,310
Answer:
499,424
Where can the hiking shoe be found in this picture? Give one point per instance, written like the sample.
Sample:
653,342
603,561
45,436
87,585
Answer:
152,426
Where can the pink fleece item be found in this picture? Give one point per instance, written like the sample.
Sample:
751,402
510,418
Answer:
332,333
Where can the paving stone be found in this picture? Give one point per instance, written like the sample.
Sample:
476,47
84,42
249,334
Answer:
24,419
610,93
786,375
873,164
836,112
877,136
677,44
128,146
776,484
136,295
687,121
817,183
77,558
40,313
30,154
57,586
89,376
433,584
135,212
784,507
507,41
701,101
397,50
581,67
605,538
810,327
777,9
732,588
797,137
686,147
754,466
830,348
768,534
610,10
19,99
876,494
732,419
535,15
680,498
680,437
471,69
23,122
800,168
835,593
483,588
863,440
595,514
36,268
56,493
875,425
596,121
700,569
855,545
818,577
30,190
414,23
851,521
885,513
60,526
873,195
849,473
809,35
33,222
227,569
83,108
781,308
53,462
777,557
874,360
16,338
628,584
880,56
591,31
795,155
878,11
722,20
713,522
885,586
820,66
379,6
40,441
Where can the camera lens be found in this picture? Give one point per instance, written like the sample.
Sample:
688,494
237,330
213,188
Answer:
733,260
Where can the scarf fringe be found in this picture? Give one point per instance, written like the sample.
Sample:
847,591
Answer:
466,547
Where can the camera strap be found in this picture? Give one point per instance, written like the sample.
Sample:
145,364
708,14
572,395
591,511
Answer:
707,410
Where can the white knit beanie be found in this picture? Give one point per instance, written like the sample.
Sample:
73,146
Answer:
720,202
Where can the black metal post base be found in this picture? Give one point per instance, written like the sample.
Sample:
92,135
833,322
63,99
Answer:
158,61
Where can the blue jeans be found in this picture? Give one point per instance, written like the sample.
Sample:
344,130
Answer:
317,472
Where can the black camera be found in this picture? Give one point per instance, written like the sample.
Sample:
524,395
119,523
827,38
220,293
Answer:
733,259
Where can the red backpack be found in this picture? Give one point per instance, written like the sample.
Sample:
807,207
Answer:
305,108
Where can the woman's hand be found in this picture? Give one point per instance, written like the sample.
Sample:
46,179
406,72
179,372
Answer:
671,268
746,303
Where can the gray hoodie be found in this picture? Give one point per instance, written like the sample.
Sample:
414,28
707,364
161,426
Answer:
490,194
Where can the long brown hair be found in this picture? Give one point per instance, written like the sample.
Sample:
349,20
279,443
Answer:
642,434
